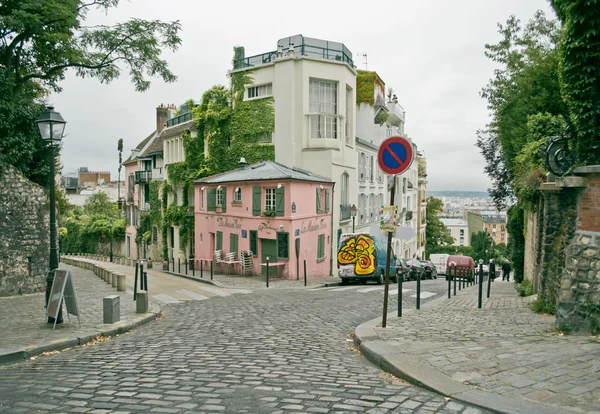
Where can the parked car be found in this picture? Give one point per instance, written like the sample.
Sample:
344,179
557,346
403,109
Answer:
430,270
416,268
402,270
362,257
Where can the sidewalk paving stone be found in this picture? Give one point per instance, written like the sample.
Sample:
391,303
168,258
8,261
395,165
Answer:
503,349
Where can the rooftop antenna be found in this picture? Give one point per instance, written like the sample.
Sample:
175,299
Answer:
364,55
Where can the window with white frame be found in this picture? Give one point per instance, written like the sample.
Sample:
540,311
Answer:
349,105
220,192
202,199
260,91
237,195
367,209
345,186
361,167
323,109
269,199
371,167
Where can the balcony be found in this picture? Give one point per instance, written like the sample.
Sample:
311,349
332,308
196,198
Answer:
143,177
345,212
395,114
299,45
179,119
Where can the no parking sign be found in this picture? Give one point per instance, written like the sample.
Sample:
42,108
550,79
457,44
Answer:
395,155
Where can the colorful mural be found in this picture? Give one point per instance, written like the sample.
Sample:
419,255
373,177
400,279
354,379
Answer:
359,251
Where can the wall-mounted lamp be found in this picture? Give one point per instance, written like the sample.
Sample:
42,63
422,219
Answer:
321,186
281,227
237,189
219,187
202,188
279,185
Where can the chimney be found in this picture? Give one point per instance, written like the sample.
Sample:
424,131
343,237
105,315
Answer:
161,117
242,164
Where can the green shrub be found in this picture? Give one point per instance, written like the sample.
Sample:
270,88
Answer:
539,306
524,288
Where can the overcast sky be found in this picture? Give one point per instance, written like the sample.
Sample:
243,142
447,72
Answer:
431,52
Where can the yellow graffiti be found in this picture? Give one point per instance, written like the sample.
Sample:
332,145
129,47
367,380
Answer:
360,252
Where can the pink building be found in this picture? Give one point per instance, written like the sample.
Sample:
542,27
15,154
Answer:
271,210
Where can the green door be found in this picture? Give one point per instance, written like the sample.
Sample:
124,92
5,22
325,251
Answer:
268,248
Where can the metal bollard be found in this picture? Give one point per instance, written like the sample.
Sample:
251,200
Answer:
193,268
211,270
479,299
400,282
173,263
460,280
449,282
267,272
201,267
179,265
146,281
141,275
304,272
135,280
418,290
186,266
454,279
489,285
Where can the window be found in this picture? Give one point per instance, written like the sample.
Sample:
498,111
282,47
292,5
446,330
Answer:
344,195
349,104
371,168
220,192
237,195
154,234
254,242
202,199
323,106
260,91
361,167
462,232
269,199
283,248
321,247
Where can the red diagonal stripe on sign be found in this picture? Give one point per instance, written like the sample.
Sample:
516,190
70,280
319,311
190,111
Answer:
393,154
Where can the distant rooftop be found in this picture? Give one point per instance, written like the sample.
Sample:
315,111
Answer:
300,46
265,170
454,222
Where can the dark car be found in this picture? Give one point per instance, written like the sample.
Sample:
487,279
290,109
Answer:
402,270
430,270
416,268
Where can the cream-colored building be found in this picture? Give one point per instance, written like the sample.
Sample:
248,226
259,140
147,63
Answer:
459,230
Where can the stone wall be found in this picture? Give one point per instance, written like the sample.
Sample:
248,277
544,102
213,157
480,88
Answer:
532,268
579,302
24,234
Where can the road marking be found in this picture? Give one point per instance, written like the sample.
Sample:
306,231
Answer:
424,295
193,295
213,290
370,289
346,288
164,298
395,291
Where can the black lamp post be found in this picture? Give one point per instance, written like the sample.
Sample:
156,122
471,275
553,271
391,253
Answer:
353,211
111,237
52,126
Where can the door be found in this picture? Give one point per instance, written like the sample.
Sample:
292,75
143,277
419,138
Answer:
268,249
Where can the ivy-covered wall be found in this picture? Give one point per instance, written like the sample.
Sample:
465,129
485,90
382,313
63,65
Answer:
228,128
365,87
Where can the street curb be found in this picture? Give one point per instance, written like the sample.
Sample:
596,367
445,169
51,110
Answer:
81,339
197,279
391,360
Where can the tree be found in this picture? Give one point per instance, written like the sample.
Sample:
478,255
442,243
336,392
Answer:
437,234
580,72
527,84
40,40
99,204
481,241
120,149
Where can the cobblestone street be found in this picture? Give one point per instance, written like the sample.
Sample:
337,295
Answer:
267,352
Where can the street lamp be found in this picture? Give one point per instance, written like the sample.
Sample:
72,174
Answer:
52,126
353,211
111,237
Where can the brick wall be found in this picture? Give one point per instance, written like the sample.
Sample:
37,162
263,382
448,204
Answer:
588,212
24,234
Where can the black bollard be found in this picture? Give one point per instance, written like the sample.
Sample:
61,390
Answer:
418,290
179,265
186,266
201,267
146,281
173,263
400,282
267,272
135,280
489,285
141,275
304,272
449,282
211,270
454,279
479,299
193,268
460,280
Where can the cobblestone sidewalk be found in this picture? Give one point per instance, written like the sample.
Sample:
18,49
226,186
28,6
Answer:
25,331
504,348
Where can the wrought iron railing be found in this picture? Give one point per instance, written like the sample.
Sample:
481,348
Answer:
302,46
143,177
179,119
345,212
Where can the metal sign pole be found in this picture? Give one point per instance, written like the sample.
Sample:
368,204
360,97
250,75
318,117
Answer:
387,262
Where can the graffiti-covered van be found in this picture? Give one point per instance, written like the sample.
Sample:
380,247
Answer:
362,257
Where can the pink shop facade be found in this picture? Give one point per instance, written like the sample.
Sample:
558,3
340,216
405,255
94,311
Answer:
273,212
